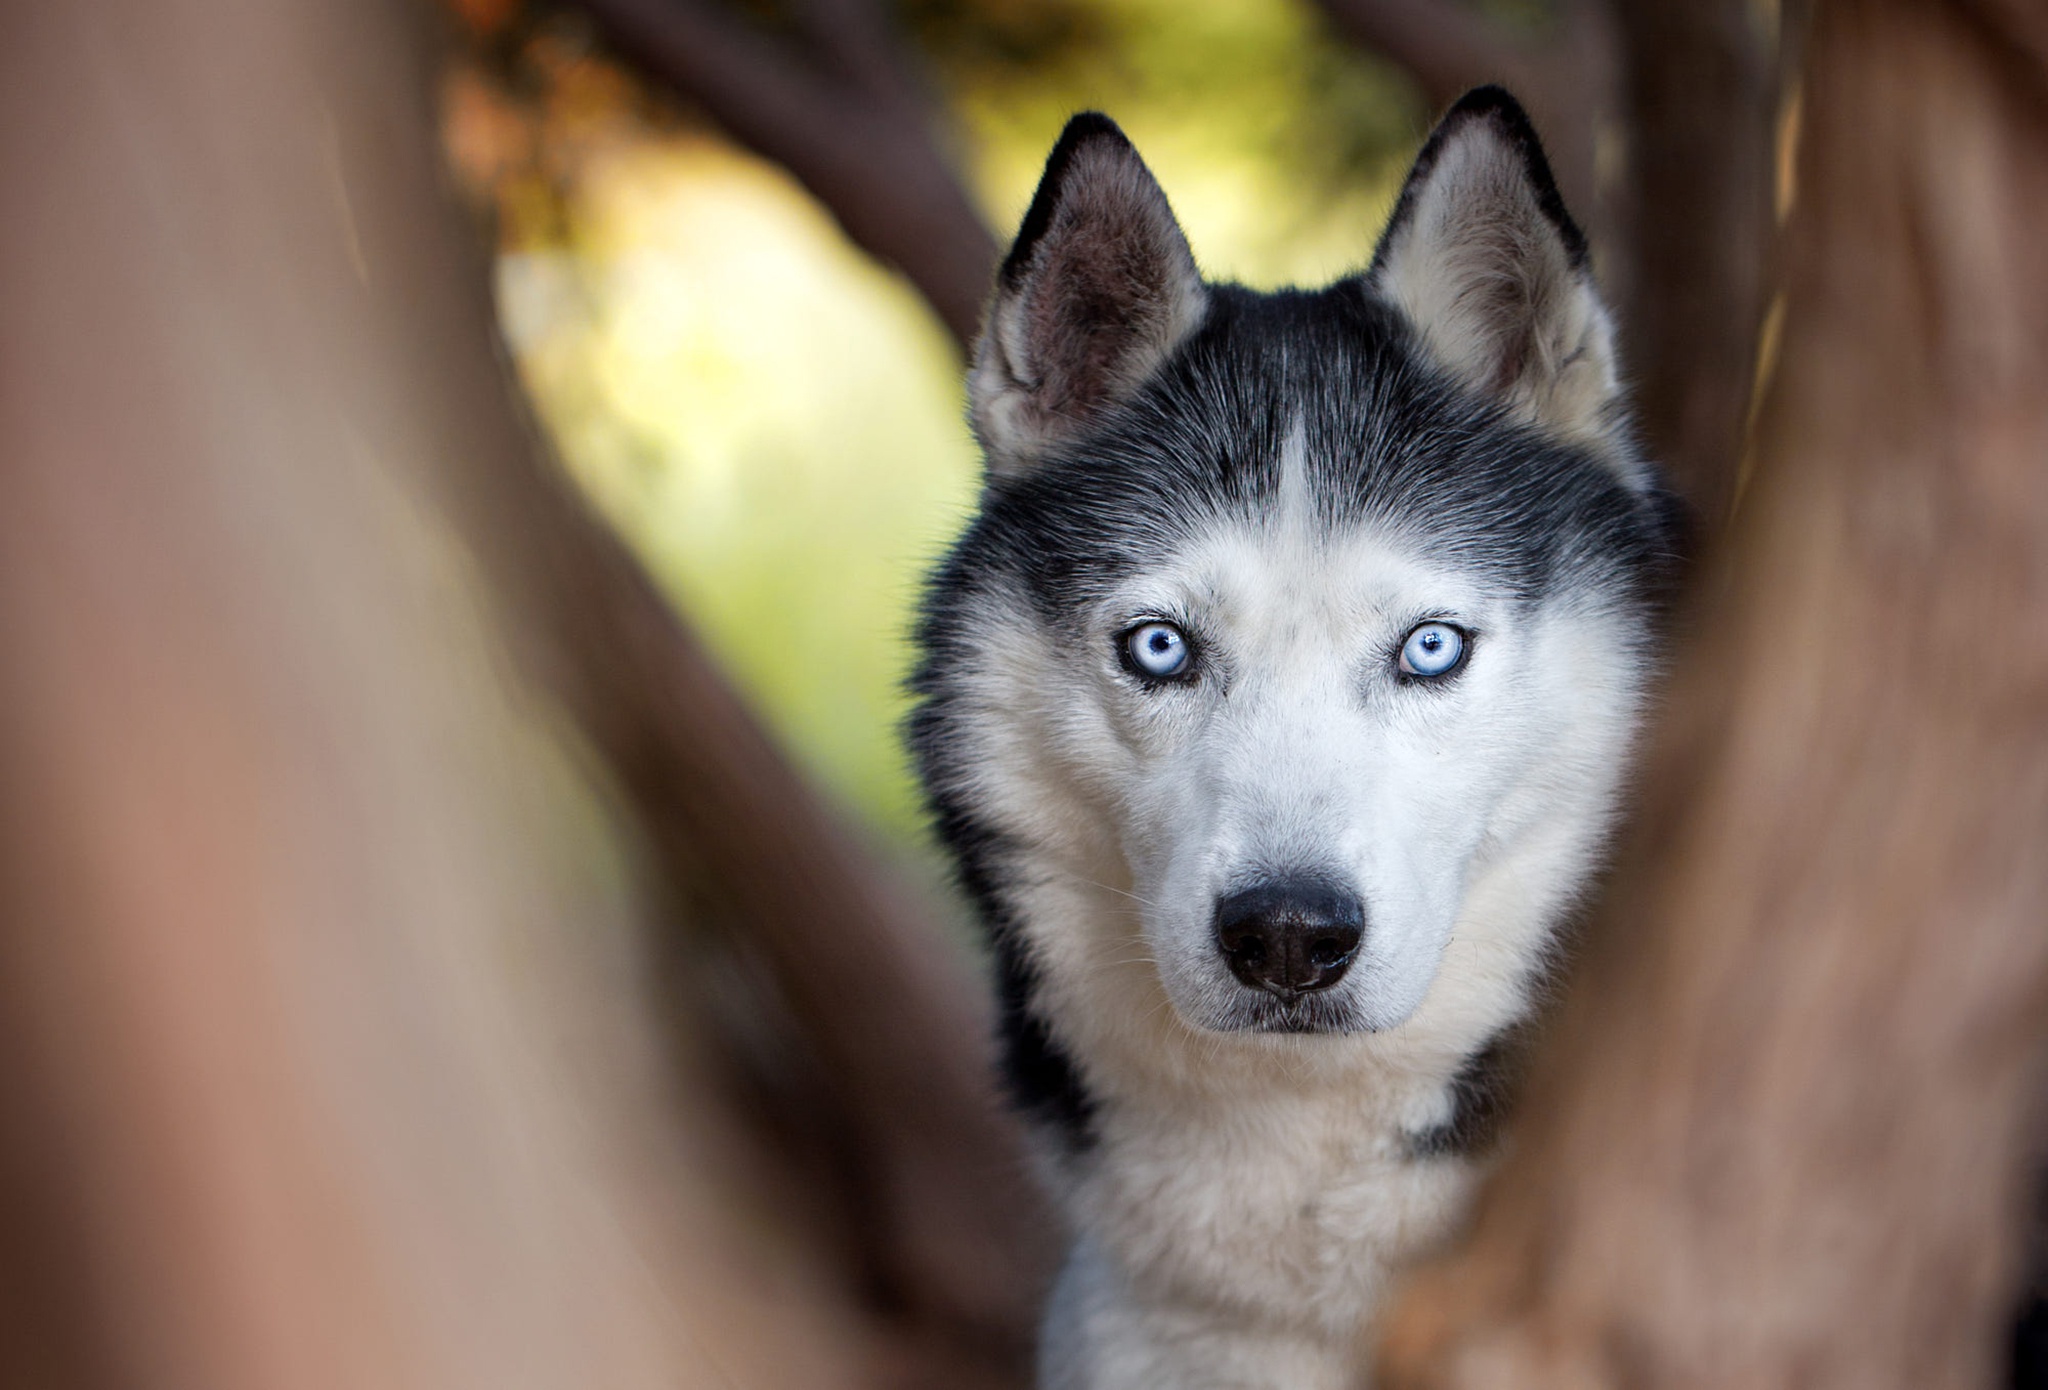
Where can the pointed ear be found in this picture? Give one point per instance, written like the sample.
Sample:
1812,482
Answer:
1099,288
1486,263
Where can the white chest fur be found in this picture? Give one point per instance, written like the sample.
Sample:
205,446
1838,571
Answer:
1244,1246
1289,1211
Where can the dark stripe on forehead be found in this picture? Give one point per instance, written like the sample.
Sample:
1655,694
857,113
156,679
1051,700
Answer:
1388,440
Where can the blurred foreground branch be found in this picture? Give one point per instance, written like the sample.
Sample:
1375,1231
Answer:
1702,88
1785,1133
285,978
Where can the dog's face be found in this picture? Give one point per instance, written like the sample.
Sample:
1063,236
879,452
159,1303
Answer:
1304,613
1307,736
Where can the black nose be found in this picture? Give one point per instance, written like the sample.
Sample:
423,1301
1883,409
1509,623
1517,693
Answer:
1290,937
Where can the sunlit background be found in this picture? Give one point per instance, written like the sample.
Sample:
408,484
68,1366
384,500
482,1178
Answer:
774,419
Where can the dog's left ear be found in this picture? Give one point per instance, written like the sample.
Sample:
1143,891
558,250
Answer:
1486,263
1098,290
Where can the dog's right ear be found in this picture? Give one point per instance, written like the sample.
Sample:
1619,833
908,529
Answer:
1099,288
1493,273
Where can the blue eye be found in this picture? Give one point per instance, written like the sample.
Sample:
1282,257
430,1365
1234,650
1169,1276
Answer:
1157,650
1433,649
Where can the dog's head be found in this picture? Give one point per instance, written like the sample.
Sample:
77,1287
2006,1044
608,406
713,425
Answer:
1316,622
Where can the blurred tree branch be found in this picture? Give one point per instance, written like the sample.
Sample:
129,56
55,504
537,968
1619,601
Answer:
314,1068
850,120
225,795
1702,89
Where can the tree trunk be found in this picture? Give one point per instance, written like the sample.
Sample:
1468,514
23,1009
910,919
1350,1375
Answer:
1701,82
1783,1134
317,1070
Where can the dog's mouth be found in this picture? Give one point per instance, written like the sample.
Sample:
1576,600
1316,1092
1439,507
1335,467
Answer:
1262,1012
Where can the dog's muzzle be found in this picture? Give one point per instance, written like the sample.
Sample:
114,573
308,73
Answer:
1290,937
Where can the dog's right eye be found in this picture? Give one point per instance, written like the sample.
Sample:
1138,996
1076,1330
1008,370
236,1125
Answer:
1432,650
1157,651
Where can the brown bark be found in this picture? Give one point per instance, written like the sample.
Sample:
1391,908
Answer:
852,124
280,980
1782,1136
1701,94
313,1075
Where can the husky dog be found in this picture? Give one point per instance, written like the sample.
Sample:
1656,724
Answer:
1275,707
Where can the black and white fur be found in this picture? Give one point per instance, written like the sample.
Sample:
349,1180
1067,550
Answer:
1295,482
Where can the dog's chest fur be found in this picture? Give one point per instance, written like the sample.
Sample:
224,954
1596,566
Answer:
1291,1208
1241,1222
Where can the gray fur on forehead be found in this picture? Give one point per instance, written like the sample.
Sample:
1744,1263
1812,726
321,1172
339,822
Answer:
1390,439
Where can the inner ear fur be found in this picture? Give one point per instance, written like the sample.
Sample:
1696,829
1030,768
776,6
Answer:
1098,289
1493,273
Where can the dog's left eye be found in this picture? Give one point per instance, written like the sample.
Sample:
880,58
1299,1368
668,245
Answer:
1157,650
1431,650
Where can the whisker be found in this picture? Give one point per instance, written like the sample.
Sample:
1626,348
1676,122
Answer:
1107,887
